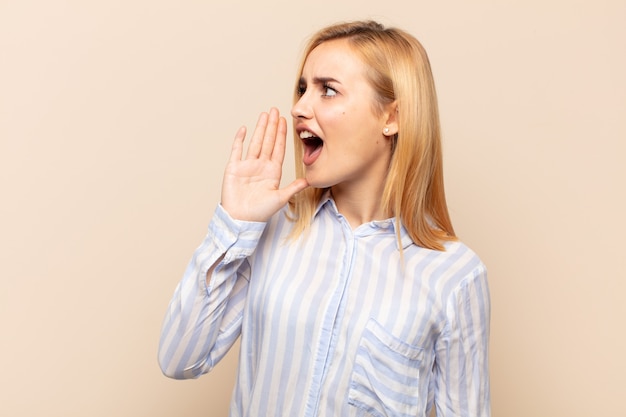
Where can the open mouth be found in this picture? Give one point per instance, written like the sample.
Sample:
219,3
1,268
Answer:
312,147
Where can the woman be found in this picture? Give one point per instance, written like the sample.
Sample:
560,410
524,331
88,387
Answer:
348,288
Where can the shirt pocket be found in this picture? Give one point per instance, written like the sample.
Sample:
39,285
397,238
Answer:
385,376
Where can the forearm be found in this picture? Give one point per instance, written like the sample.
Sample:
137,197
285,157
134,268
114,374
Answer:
203,320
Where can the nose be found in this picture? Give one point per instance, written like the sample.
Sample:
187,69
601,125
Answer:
302,108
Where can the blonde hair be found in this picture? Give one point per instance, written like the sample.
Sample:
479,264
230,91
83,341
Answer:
398,70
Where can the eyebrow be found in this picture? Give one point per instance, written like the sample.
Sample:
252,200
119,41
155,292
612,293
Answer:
318,80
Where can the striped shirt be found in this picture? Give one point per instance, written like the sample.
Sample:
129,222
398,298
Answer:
334,323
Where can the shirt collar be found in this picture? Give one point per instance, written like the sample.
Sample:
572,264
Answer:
376,226
326,198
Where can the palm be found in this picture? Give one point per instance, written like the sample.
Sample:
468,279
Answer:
251,187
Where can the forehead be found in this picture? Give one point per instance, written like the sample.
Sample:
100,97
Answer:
333,59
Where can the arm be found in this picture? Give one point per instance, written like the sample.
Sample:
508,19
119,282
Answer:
204,319
461,362
204,316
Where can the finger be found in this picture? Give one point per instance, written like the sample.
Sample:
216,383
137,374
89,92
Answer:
278,153
237,149
257,137
295,187
270,133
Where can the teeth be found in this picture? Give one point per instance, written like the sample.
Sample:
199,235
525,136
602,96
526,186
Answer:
305,134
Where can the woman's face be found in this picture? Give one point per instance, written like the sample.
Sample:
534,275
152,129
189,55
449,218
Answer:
337,120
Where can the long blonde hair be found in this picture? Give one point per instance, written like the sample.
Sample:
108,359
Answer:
398,70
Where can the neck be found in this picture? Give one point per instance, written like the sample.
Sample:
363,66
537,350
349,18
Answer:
359,206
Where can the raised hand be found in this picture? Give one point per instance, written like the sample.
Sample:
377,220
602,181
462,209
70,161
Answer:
251,186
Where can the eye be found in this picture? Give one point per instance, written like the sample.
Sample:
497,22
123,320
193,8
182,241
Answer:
301,90
329,91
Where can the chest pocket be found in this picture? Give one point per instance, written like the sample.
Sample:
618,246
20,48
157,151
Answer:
385,376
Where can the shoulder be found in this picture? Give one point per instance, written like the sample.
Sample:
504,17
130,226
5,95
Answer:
467,289
446,271
462,261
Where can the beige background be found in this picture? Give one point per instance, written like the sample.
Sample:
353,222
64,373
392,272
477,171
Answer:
115,122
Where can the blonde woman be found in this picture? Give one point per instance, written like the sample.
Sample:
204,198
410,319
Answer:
349,290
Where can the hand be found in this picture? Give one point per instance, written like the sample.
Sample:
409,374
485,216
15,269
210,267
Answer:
250,189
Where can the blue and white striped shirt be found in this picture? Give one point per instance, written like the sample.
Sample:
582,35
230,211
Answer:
335,323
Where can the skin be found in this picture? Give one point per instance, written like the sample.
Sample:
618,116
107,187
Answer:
251,185
337,104
353,160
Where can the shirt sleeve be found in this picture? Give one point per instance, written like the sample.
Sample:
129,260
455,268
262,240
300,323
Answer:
202,322
461,361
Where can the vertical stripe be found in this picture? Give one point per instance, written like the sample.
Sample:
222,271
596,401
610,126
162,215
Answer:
333,324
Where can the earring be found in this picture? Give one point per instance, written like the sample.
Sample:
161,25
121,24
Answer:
386,131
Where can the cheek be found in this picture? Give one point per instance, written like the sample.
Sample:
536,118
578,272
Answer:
332,118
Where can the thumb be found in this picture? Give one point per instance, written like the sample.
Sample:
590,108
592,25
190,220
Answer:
295,187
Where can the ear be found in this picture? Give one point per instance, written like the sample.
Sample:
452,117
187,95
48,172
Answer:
390,117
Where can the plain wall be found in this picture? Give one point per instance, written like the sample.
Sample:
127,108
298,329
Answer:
116,119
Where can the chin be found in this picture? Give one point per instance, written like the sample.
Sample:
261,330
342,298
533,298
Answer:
316,181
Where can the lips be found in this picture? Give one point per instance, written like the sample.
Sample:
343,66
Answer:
312,147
